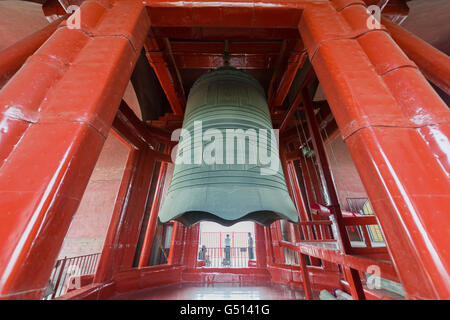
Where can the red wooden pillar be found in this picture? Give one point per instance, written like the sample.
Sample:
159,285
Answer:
13,57
397,130
434,64
305,277
269,248
151,227
299,199
111,247
292,184
315,183
123,232
295,232
260,246
328,185
119,249
276,238
177,244
311,186
324,169
191,246
55,131
173,244
274,243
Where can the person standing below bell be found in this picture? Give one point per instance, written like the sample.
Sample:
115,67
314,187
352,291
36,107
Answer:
202,253
228,249
250,246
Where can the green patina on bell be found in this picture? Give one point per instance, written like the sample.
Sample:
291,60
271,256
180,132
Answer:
227,168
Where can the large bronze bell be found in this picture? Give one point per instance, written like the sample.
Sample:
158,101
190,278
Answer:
227,167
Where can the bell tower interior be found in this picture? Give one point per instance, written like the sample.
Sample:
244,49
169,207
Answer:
174,150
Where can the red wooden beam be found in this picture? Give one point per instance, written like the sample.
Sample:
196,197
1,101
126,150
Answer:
212,61
324,170
291,111
434,64
191,246
351,261
277,236
269,247
53,143
377,96
294,61
14,56
138,134
247,13
305,277
160,57
208,55
260,246
164,136
308,76
171,259
225,33
285,49
217,47
360,221
292,183
109,262
329,189
133,212
152,222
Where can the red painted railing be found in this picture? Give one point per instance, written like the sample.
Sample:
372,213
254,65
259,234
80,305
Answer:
67,268
217,239
311,231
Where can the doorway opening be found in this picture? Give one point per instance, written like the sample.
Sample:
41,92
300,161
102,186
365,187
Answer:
227,247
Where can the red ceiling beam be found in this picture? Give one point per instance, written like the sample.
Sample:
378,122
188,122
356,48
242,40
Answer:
14,56
291,112
234,47
278,67
291,57
232,33
138,134
208,55
245,13
161,59
212,61
308,77
296,59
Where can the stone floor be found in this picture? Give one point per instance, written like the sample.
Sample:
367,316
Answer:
217,291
